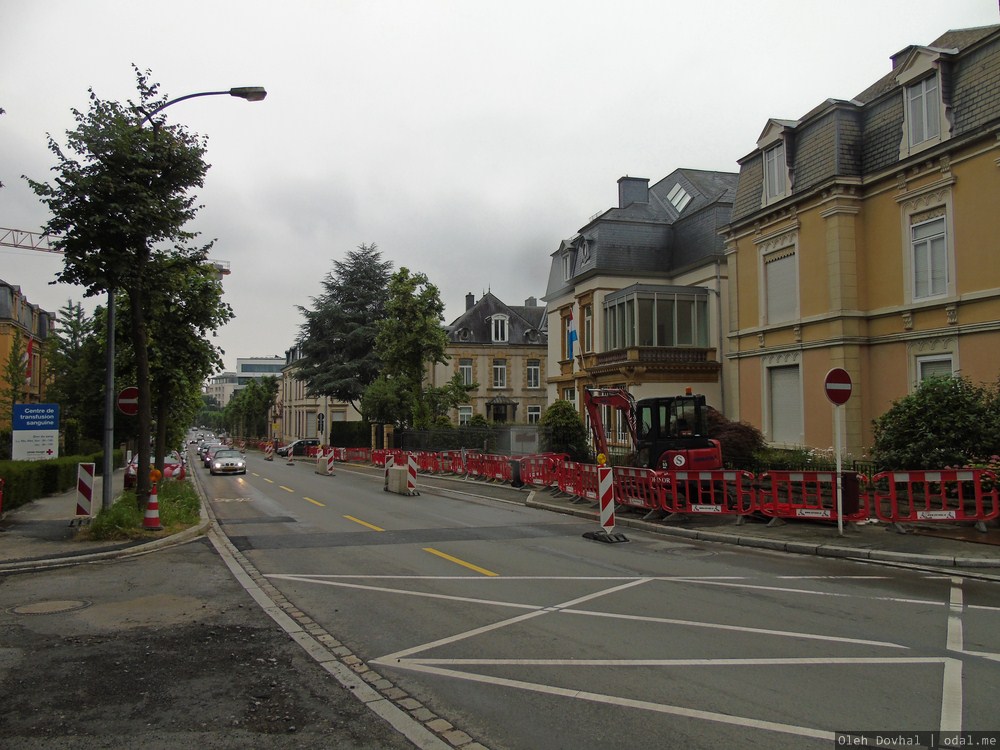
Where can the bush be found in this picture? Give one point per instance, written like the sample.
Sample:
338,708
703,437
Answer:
740,441
946,422
565,431
179,508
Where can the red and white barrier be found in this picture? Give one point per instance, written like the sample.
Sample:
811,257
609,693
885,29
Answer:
85,490
811,494
952,495
268,452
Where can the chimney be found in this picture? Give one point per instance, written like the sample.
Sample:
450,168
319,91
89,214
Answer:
470,301
632,190
531,302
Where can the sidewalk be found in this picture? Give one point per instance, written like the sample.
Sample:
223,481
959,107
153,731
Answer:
44,533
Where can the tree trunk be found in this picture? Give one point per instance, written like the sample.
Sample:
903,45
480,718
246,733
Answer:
140,342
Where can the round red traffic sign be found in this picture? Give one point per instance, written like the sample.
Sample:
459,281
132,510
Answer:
837,385
128,401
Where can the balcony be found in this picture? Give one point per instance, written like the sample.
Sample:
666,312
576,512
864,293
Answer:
660,363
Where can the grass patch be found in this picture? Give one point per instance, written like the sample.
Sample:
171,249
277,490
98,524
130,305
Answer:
179,509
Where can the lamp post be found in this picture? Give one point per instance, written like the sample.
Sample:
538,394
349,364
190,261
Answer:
251,94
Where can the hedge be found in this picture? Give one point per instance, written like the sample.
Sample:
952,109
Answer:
25,481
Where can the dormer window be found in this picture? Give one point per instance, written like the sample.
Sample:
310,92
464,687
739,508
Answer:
679,197
923,110
775,173
499,329
567,266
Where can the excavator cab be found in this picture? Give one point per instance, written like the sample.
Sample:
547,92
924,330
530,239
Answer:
672,434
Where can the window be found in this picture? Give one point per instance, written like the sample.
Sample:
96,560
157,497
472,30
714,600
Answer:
534,373
643,315
567,266
588,328
781,298
464,415
534,414
679,197
569,394
930,258
775,174
499,329
784,396
465,370
934,367
499,373
923,110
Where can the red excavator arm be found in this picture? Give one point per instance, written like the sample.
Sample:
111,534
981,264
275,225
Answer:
618,398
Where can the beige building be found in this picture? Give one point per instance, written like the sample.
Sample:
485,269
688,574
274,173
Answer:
502,348
296,414
865,235
33,327
637,298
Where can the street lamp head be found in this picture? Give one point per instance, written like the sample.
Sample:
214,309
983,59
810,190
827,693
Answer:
250,93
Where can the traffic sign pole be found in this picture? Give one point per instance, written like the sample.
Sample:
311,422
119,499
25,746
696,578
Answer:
838,387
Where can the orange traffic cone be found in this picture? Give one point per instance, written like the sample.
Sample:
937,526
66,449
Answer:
151,521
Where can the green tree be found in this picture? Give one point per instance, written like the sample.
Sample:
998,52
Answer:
246,413
76,346
565,431
337,339
947,421
410,340
15,374
120,201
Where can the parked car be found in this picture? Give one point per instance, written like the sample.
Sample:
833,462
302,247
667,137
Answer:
227,461
173,468
298,447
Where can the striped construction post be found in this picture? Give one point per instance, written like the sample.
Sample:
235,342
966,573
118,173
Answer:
389,463
411,475
269,452
329,462
85,490
151,519
606,498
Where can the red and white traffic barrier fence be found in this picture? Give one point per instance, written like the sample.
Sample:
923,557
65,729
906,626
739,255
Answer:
952,495
578,480
638,488
540,471
84,494
716,492
812,495
358,455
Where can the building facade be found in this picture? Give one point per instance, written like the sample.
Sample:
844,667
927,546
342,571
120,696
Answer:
297,414
502,349
638,297
32,329
865,235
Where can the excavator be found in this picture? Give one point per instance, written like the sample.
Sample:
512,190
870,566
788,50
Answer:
667,432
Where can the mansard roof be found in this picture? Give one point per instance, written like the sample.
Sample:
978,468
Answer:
525,323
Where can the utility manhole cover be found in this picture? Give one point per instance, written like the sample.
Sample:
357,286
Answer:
49,608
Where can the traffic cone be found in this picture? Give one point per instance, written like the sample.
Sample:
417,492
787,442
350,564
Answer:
151,521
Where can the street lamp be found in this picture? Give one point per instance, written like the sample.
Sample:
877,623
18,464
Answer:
251,94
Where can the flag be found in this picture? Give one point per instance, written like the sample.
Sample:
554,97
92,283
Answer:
571,334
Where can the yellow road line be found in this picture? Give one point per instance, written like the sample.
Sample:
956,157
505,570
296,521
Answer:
314,502
268,480
464,564
286,489
364,523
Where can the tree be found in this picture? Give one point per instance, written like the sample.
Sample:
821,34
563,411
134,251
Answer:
565,431
12,389
247,411
337,339
410,339
120,198
947,421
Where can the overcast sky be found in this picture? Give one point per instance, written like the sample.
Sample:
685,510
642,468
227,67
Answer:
464,138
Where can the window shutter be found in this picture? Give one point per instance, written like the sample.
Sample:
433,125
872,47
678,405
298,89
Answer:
786,404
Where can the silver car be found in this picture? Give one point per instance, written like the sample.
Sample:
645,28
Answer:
227,461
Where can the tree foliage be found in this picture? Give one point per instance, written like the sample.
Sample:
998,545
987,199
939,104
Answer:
565,431
410,339
337,339
13,385
247,411
119,205
947,421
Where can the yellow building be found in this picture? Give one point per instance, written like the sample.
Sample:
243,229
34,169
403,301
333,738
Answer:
866,236
32,327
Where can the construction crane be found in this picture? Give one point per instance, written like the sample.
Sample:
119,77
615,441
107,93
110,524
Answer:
25,240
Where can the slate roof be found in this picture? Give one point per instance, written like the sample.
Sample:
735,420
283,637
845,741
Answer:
526,323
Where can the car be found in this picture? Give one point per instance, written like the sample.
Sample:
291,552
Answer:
298,447
227,461
208,451
173,468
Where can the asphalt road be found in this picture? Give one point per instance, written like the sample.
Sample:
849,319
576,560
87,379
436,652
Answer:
507,624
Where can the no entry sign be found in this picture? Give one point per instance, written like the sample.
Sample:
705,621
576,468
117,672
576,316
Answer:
837,385
128,401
